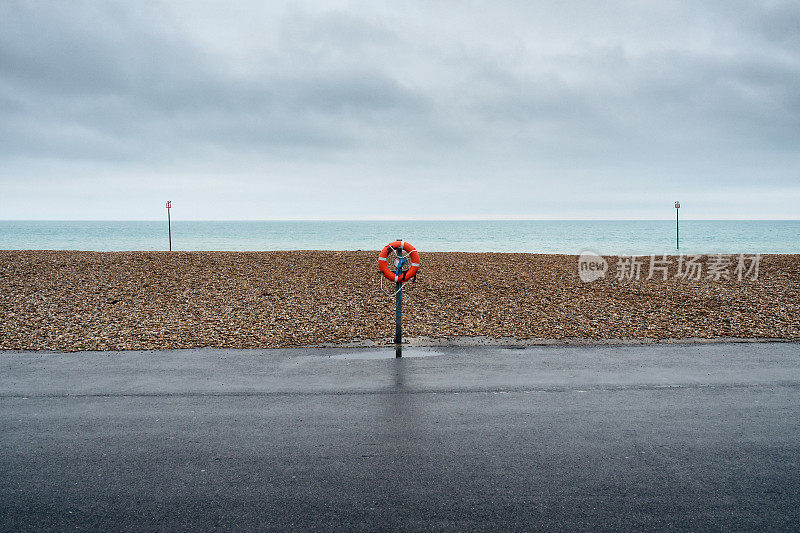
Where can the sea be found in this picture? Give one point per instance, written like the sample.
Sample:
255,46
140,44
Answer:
606,237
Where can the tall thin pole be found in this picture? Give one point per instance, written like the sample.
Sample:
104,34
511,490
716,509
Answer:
677,226
398,326
169,225
398,316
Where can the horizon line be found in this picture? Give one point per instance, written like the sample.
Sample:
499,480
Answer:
405,220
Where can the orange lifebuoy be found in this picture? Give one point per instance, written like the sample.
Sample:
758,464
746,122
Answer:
384,266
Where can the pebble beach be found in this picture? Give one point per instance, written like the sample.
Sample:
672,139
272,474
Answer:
71,300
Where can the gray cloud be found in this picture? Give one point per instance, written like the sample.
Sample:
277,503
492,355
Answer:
515,109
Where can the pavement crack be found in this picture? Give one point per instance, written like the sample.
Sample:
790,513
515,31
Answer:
408,391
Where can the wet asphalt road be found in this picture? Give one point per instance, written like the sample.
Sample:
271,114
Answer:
596,437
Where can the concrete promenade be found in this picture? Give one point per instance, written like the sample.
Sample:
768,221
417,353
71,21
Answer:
685,436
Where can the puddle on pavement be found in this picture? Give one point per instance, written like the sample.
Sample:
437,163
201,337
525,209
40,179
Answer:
387,353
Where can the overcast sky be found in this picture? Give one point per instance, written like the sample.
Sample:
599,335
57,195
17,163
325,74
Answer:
350,110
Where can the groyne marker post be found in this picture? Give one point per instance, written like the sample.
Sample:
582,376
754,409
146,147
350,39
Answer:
169,225
398,317
677,226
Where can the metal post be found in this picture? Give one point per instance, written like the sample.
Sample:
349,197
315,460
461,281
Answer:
398,317
169,225
677,226
398,326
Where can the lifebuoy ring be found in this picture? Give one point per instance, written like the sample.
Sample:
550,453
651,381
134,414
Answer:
387,272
